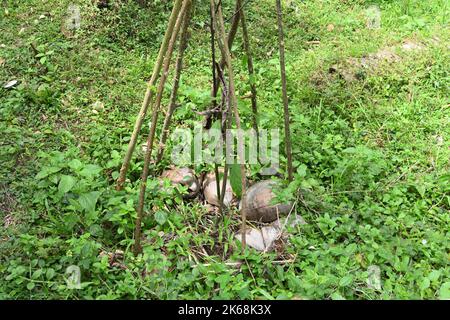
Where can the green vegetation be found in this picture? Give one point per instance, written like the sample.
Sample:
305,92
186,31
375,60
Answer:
371,150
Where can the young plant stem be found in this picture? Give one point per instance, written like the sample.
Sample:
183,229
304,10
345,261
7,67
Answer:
148,95
287,134
223,44
184,38
151,136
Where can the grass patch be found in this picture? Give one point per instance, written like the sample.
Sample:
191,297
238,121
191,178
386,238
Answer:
371,155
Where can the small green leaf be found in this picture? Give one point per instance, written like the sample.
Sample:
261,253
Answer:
425,284
66,184
41,174
235,179
30,285
301,170
434,275
161,217
337,296
265,294
36,274
75,164
115,175
444,291
50,273
345,281
420,189
91,170
46,172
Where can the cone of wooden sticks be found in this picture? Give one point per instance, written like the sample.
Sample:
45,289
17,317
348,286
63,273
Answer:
225,107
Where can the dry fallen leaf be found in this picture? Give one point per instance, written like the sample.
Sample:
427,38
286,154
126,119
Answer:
10,84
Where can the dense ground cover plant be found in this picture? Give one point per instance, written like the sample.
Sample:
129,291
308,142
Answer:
371,154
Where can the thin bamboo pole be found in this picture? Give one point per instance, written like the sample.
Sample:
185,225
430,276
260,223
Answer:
225,125
184,38
151,136
214,98
251,70
148,95
233,104
232,33
287,134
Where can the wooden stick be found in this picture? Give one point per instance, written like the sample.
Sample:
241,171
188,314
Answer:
148,95
233,30
238,264
287,130
251,71
232,33
225,124
233,104
214,97
151,136
184,38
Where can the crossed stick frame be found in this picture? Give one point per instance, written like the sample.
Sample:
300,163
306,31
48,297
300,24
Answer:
178,28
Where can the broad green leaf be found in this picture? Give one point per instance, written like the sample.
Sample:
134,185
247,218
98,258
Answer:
337,296
91,170
36,274
444,291
434,275
345,281
46,172
50,273
301,170
88,200
66,183
424,284
161,217
235,179
223,280
75,164
420,189
41,174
